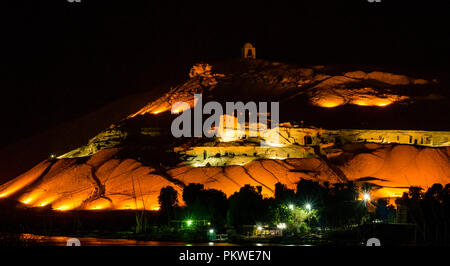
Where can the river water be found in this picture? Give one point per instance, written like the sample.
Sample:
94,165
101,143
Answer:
39,240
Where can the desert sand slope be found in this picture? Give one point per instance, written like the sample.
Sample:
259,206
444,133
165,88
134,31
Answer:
103,181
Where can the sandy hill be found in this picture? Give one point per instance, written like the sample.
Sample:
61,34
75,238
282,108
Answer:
136,156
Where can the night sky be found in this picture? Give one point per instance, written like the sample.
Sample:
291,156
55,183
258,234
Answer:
61,60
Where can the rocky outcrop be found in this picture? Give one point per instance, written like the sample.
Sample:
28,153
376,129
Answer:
106,139
324,88
201,80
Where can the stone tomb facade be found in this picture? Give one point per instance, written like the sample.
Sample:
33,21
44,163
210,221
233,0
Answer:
248,51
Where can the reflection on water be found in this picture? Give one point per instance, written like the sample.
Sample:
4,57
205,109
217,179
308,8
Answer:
40,240
95,241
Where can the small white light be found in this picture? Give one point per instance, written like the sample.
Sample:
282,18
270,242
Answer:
291,206
259,228
366,196
281,225
211,231
308,206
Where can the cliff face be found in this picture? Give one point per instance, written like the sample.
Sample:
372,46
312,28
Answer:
126,165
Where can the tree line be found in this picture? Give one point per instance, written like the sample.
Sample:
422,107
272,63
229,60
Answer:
310,205
331,205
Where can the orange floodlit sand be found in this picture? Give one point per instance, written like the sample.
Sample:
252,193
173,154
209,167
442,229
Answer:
42,202
329,104
373,102
334,97
127,184
161,106
98,204
23,180
157,111
363,101
30,198
177,94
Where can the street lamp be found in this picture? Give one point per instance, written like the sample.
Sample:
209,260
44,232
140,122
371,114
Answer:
366,196
308,206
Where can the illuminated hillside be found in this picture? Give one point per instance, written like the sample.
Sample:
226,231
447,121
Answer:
126,165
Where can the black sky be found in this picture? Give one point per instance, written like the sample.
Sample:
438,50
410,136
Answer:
61,60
